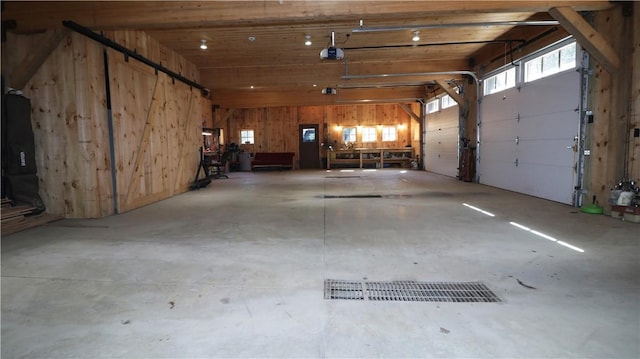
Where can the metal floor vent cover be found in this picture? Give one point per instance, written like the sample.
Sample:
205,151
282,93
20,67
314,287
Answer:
343,289
410,291
353,196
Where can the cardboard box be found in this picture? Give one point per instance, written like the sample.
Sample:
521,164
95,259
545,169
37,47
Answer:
631,214
617,211
635,218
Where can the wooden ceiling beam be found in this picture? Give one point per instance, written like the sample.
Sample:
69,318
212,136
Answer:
174,14
312,97
587,37
228,114
322,75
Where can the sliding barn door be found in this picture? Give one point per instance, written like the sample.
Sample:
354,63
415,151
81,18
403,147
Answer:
157,133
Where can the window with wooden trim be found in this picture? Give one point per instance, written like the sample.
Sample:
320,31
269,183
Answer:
247,137
389,134
349,135
369,134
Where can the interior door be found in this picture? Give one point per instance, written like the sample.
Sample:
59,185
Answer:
309,147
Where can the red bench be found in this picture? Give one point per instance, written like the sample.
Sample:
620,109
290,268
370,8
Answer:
272,160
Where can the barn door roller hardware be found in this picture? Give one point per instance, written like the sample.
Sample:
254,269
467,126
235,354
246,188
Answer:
128,53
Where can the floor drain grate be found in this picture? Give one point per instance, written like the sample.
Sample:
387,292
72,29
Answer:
410,291
353,196
343,289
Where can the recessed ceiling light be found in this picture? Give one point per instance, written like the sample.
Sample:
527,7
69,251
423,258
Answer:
251,86
416,36
203,44
315,85
252,38
308,40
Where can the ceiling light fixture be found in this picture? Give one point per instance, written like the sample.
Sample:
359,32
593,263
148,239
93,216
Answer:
308,40
203,44
416,36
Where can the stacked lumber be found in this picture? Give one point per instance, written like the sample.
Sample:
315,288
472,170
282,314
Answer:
18,218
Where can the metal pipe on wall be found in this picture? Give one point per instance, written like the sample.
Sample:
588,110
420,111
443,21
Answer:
112,150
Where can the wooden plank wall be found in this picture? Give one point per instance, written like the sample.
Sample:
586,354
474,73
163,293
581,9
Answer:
634,142
157,124
607,134
69,120
206,112
276,129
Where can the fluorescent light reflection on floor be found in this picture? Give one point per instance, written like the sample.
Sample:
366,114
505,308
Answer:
369,170
546,236
479,210
520,226
403,171
347,170
571,246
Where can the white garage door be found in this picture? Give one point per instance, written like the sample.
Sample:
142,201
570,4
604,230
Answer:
527,137
441,142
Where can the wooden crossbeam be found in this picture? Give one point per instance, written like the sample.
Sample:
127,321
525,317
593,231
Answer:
454,95
587,37
157,99
410,112
36,57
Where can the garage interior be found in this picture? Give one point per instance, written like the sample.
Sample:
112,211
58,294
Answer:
438,146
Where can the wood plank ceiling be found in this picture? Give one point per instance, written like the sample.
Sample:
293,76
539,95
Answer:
256,54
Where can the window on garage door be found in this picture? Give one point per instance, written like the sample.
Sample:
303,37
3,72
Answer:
433,106
551,63
501,81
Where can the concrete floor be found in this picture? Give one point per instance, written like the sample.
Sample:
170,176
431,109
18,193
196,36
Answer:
237,270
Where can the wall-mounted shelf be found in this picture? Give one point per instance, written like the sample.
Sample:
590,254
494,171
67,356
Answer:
370,158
